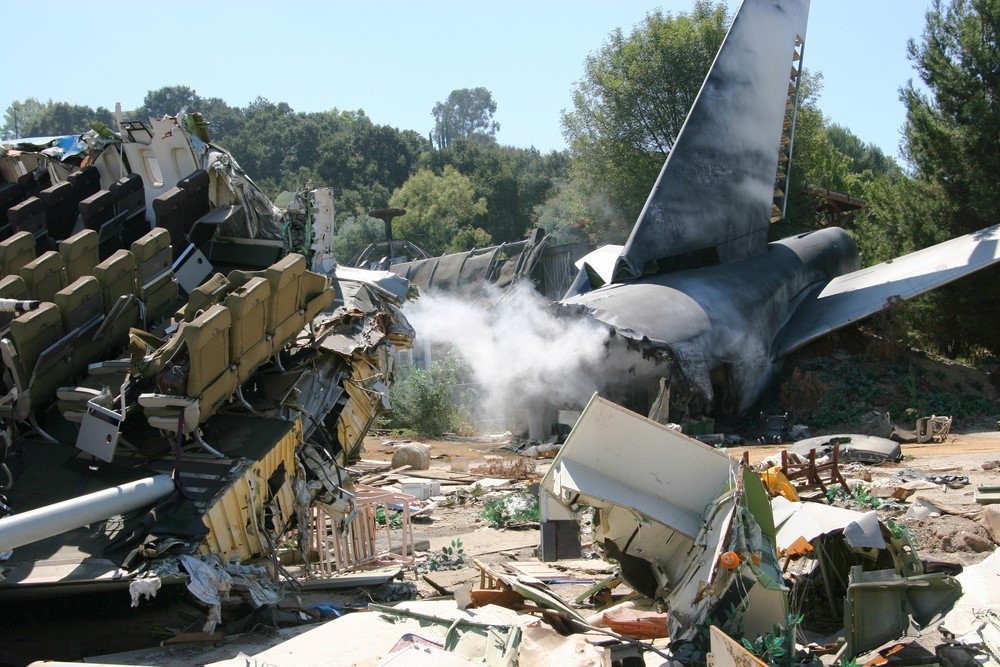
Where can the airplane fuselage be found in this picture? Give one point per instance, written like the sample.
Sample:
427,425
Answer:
710,330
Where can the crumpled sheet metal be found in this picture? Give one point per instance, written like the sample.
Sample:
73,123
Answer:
669,506
810,520
975,617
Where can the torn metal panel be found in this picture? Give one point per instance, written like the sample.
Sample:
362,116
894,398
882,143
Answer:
727,652
650,463
668,508
491,636
975,617
810,520
853,447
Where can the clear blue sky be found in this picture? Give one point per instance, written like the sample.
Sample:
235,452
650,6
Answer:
396,58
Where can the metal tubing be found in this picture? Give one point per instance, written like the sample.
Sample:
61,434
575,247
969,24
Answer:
37,524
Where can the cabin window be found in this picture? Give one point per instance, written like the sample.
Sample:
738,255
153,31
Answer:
152,169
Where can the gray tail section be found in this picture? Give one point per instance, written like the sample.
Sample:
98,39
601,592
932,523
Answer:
715,195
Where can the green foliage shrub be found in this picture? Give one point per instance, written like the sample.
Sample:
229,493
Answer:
423,399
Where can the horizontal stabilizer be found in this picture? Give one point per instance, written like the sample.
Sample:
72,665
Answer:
854,296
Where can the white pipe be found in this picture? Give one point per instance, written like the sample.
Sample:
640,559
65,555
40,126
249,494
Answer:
19,529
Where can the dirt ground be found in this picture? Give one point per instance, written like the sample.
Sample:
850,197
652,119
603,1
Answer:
29,635
945,537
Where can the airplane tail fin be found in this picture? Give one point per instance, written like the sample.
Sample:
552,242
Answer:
716,193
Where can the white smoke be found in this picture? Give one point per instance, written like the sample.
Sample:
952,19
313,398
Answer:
521,354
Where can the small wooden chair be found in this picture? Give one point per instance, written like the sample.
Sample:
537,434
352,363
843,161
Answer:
809,475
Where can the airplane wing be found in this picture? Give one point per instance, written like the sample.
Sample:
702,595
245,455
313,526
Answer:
713,197
853,296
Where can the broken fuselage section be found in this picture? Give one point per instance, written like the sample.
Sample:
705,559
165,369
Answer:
690,527
160,323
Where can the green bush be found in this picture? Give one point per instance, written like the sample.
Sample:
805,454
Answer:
422,399
513,508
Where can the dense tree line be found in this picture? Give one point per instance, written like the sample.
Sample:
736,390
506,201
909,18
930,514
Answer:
462,189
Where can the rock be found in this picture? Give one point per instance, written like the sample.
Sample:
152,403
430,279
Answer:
414,454
990,519
976,542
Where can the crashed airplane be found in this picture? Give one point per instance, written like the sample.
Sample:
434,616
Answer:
697,295
697,290
177,353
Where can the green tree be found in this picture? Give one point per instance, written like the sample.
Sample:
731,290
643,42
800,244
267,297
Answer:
62,118
466,114
630,105
436,208
511,181
168,101
18,116
354,234
952,139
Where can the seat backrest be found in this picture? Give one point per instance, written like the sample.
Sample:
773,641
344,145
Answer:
12,287
209,293
314,293
197,204
32,333
45,275
60,209
80,252
28,216
16,251
152,254
85,182
32,184
80,302
97,209
247,305
10,194
207,341
117,277
171,214
129,194
284,277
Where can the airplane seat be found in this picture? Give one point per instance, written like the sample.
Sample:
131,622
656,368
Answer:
249,343
196,186
81,306
316,293
285,317
202,297
12,287
33,184
155,285
29,216
97,212
16,251
45,275
116,275
60,209
210,380
85,182
130,203
36,351
170,212
81,254
10,194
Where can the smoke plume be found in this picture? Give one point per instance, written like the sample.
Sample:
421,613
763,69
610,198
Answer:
522,356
